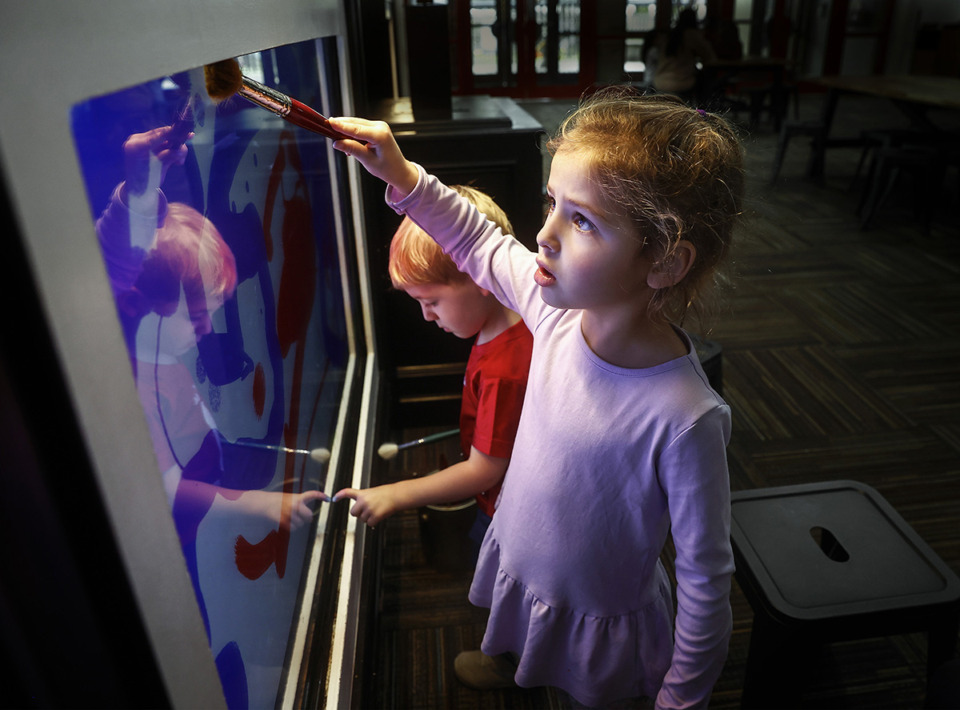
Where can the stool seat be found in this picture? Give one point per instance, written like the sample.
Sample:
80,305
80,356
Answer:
828,562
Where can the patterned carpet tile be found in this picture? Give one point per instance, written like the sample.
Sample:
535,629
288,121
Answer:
816,216
948,432
773,272
893,264
426,680
922,381
754,320
797,393
762,234
856,312
938,302
895,461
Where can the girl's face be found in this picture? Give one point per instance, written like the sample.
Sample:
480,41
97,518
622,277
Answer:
461,307
587,259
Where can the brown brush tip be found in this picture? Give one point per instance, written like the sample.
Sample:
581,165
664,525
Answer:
223,79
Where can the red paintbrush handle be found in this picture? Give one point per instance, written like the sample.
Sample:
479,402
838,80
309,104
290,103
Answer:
305,117
288,108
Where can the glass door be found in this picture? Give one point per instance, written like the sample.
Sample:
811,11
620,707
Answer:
521,48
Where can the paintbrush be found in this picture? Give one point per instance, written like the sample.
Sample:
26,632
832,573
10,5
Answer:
320,455
225,78
389,450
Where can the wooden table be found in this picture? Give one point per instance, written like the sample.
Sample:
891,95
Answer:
913,95
942,91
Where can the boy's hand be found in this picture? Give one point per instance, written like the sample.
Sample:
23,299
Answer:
380,154
304,506
372,504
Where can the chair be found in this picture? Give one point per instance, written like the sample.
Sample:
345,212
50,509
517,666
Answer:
882,138
925,157
816,130
775,100
827,562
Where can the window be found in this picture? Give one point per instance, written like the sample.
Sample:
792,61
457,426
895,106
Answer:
220,233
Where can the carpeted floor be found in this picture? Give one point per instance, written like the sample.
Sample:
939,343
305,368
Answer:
841,360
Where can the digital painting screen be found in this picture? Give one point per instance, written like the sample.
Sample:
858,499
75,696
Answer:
219,235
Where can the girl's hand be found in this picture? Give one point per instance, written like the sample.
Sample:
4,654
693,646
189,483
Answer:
372,504
380,154
149,155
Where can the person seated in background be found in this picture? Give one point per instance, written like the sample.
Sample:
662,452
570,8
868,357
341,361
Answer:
724,37
679,54
650,56
494,384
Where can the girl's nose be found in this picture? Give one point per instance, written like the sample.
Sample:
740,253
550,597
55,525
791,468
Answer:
545,237
428,314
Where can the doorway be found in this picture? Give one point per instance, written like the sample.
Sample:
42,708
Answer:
524,48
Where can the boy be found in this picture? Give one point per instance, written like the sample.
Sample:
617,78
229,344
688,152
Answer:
494,384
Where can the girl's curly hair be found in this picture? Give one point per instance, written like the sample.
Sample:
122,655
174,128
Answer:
673,171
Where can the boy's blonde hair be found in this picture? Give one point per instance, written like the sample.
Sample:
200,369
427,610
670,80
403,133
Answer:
417,260
187,252
672,171
194,242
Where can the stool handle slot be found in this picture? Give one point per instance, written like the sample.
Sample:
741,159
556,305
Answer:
828,544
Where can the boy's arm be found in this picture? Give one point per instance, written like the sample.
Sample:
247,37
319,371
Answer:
463,480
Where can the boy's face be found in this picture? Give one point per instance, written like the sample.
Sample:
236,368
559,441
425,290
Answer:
181,330
461,308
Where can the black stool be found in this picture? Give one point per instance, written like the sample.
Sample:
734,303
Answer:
830,562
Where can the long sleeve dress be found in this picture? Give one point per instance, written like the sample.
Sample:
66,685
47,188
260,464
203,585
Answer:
607,461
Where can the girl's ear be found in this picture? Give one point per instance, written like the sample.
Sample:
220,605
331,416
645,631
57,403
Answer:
671,270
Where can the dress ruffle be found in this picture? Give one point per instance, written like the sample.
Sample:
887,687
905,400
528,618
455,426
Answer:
598,660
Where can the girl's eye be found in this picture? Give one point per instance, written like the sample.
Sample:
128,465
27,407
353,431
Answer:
583,224
550,203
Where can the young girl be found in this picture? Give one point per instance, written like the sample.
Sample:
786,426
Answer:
621,439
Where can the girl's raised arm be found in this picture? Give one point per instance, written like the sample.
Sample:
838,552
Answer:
374,146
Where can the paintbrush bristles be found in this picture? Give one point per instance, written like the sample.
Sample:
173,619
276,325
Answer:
223,79
388,451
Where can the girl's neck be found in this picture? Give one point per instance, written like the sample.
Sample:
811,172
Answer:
632,343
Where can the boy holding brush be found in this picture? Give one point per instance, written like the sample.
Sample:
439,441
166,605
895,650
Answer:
494,384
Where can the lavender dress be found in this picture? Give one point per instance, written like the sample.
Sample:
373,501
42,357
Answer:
606,462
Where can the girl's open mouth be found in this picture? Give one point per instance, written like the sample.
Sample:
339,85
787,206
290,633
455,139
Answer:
544,278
